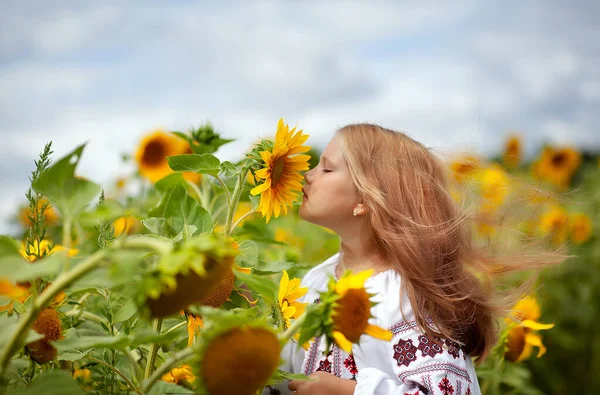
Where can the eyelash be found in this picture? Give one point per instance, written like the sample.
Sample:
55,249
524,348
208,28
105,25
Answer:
326,171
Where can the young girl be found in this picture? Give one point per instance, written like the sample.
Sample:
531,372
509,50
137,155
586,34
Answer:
386,197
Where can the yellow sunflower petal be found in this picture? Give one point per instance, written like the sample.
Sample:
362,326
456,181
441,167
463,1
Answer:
378,332
342,342
246,270
354,281
535,340
537,326
261,188
283,286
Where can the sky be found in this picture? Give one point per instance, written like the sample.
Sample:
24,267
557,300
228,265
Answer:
455,75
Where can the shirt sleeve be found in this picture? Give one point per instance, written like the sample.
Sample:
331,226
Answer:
421,366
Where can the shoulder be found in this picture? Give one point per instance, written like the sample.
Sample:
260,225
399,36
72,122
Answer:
316,278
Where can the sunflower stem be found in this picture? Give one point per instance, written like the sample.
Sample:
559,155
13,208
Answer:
243,217
178,357
66,242
225,189
156,325
117,371
181,324
291,331
63,281
237,192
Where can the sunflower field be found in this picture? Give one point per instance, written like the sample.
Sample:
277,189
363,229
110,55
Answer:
184,277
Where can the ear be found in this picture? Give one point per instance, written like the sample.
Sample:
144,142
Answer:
360,210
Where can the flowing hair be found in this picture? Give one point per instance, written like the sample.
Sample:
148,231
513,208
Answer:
418,228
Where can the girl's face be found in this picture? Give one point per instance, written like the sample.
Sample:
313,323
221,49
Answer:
329,194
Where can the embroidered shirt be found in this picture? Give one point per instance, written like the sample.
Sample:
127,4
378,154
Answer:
410,364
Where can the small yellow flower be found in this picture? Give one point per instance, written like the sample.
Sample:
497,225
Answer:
555,223
512,151
463,167
179,375
581,228
83,374
351,312
194,324
522,335
127,224
280,176
495,186
43,249
50,214
289,292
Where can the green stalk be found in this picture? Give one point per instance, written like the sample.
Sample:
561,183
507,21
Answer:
156,325
117,371
66,242
177,358
237,192
291,331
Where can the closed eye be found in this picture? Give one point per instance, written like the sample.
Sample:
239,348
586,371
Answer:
326,171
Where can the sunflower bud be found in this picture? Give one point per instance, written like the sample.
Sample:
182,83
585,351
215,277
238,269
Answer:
240,360
190,275
48,324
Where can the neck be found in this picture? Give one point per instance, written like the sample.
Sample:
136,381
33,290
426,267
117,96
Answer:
356,256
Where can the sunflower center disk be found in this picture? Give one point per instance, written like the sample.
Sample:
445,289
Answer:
154,153
278,168
352,313
558,160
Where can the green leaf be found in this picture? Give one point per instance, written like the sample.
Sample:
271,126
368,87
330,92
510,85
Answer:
169,182
229,169
73,355
51,383
162,388
183,209
148,336
126,312
273,267
159,226
262,286
68,193
73,341
204,163
108,211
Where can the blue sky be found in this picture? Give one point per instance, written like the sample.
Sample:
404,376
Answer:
456,75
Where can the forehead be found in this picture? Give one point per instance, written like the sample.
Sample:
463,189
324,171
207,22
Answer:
334,150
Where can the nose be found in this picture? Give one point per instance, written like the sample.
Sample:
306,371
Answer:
308,175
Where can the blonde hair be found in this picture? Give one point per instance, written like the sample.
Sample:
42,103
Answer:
417,227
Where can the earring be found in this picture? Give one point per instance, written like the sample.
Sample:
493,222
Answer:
355,212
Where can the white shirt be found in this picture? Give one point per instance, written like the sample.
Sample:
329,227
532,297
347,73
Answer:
409,364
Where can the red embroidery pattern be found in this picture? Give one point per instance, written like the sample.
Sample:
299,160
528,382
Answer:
416,393
405,352
350,364
453,348
446,387
325,364
468,391
428,347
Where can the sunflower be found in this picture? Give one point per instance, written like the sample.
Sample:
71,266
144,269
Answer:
127,224
555,223
180,375
495,186
464,166
557,166
512,151
50,214
12,292
289,292
42,249
522,334
352,310
238,360
151,155
280,174
581,228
